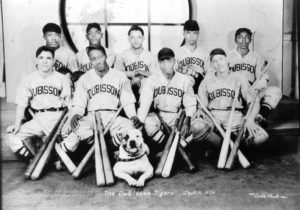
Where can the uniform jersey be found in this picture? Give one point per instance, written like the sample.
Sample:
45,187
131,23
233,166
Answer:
84,63
65,58
168,96
217,94
128,61
94,93
192,63
250,66
43,93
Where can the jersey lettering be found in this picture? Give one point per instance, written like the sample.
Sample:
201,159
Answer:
169,91
43,90
136,65
242,67
85,67
188,61
223,92
103,88
58,65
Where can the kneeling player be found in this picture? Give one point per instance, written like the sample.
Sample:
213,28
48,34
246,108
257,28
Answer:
217,93
101,89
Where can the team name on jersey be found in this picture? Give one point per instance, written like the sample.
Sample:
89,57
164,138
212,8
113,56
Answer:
58,65
103,88
85,67
242,67
44,90
136,65
169,91
190,60
222,92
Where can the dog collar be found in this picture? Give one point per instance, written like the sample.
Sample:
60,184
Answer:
130,159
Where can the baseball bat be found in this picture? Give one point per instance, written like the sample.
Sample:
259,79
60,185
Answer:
226,140
61,153
90,153
39,154
44,158
243,160
233,153
166,172
100,176
167,147
109,177
182,152
263,72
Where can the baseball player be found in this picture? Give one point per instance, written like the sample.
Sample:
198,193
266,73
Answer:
45,91
191,59
250,64
101,89
63,56
168,91
94,36
137,62
217,93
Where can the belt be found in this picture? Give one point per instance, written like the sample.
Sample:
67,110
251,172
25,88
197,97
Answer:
229,109
52,109
108,110
167,111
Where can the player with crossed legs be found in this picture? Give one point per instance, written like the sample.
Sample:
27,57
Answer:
217,93
101,89
94,36
250,64
64,57
137,62
45,91
168,91
191,59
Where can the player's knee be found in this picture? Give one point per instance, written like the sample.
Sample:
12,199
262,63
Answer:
261,138
150,126
200,129
272,96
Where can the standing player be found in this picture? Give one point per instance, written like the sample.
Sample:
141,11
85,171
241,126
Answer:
217,93
94,36
250,64
136,61
63,56
169,91
191,58
46,92
101,89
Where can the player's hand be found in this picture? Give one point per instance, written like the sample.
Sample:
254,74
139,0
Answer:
136,81
75,122
136,122
186,127
13,129
252,129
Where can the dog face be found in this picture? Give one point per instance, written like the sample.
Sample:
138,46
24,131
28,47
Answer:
133,141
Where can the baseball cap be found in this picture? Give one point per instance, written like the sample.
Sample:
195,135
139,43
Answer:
191,25
217,51
165,53
101,48
51,27
93,25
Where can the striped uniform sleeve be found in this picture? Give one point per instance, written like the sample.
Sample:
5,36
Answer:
202,93
24,93
66,92
80,99
127,97
189,99
146,99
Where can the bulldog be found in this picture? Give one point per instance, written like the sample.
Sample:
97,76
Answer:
133,160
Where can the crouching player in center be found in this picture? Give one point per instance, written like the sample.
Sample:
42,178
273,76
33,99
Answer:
101,89
168,91
217,93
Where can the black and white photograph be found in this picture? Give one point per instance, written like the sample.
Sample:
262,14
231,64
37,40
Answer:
149,104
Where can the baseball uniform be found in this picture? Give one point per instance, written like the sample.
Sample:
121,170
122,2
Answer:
84,63
192,63
167,97
218,95
65,57
46,95
251,66
104,95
